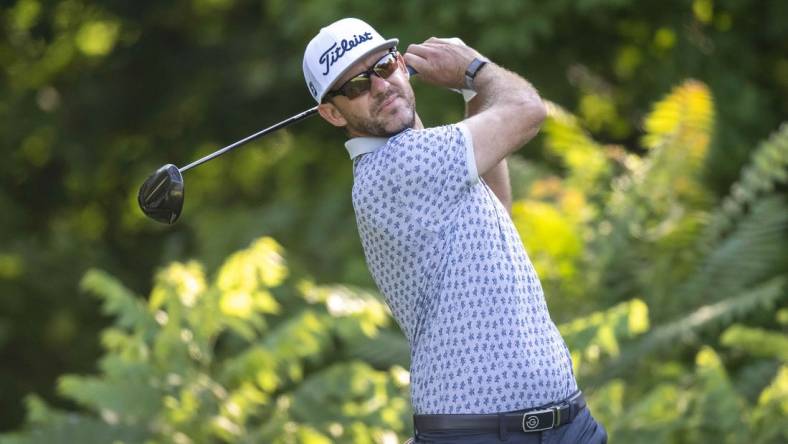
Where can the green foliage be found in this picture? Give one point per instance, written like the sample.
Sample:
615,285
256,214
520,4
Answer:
624,217
764,172
598,336
757,341
688,328
582,156
207,361
772,401
261,353
688,271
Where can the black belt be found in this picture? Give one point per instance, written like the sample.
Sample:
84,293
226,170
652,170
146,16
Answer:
535,420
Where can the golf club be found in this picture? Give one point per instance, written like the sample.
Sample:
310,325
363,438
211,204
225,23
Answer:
161,195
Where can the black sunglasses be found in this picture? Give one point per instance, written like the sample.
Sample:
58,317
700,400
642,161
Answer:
358,85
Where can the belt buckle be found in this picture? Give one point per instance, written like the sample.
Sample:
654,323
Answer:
533,422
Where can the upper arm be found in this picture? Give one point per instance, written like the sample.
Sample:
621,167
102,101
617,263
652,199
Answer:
501,129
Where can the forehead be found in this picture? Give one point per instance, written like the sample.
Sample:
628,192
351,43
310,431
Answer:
361,65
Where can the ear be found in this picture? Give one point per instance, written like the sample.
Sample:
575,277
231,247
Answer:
331,114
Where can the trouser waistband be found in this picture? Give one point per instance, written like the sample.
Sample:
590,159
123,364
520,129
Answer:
529,420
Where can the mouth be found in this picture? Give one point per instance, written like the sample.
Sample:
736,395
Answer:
387,103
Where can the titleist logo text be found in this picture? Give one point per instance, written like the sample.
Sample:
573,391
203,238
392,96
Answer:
337,50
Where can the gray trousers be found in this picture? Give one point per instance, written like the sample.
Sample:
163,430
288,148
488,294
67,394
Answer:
584,429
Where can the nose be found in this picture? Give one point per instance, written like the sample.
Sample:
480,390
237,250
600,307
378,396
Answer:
379,84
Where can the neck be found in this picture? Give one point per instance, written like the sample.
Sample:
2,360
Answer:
416,125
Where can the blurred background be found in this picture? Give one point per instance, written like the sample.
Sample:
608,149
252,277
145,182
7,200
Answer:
653,205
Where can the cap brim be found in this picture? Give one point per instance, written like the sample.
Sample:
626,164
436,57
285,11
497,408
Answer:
390,43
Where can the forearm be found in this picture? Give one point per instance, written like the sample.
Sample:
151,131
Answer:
497,178
500,88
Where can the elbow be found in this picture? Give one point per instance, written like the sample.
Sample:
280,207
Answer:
535,111
532,112
532,109
538,111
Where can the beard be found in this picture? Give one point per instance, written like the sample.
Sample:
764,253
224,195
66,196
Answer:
386,123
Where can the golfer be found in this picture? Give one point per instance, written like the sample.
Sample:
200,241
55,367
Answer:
432,206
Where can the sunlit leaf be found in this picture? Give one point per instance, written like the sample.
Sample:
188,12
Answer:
97,38
756,341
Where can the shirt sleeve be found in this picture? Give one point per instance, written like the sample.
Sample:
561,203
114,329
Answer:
431,170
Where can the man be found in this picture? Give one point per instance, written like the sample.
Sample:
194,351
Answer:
487,362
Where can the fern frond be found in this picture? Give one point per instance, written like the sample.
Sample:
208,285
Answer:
680,331
767,168
118,301
280,357
130,400
746,256
347,393
77,428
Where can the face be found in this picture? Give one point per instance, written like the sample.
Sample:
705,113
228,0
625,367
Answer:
386,109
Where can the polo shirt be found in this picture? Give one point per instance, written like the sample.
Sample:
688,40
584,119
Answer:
453,270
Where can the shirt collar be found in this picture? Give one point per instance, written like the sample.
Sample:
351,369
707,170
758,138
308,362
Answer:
363,145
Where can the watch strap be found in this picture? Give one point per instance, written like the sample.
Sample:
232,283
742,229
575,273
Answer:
472,70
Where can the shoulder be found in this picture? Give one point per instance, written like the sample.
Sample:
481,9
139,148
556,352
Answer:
428,143
436,135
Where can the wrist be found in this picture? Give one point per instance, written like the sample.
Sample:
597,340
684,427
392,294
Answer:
476,65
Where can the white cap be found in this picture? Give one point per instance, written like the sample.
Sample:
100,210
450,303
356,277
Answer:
335,49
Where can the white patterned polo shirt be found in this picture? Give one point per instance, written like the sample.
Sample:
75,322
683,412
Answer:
450,264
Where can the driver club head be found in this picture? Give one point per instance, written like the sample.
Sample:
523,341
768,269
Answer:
161,196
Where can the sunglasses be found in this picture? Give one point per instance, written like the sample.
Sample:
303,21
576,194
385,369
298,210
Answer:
362,83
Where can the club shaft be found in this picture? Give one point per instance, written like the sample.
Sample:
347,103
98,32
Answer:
270,129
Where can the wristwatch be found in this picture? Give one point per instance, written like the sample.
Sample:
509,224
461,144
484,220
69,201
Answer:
473,69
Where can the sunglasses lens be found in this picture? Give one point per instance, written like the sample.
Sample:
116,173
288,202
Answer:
356,87
386,66
360,84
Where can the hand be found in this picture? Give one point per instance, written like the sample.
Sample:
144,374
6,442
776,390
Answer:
441,62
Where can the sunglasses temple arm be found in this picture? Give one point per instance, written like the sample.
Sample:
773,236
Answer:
411,70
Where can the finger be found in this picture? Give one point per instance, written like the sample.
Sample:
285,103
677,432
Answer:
434,46
446,40
420,50
432,49
417,62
